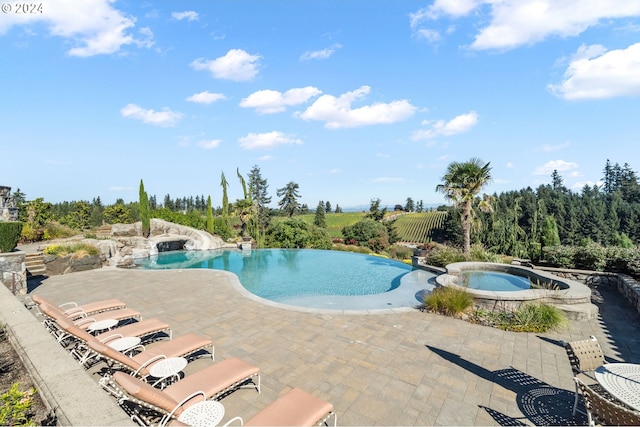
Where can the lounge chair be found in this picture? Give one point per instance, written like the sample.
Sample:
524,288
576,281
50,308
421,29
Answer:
147,405
138,365
584,357
75,308
147,330
605,411
53,313
295,408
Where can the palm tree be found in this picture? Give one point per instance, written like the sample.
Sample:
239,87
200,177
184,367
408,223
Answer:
460,184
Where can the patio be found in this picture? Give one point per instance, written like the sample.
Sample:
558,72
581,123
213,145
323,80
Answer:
400,368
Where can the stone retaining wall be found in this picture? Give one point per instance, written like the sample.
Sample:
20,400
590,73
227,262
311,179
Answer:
625,284
13,271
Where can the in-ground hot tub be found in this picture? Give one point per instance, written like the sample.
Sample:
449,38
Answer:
506,290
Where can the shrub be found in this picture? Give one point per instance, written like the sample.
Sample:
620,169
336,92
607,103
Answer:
479,253
400,252
351,248
79,250
559,256
30,233
54,230
9,235
296,233
537,318
449,301
15,406
367,233
441,255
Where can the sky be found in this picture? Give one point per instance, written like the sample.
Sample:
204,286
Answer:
352,100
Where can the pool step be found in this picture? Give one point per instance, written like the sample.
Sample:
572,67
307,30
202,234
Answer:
584,311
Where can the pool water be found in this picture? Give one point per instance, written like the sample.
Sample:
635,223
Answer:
283,274
494,281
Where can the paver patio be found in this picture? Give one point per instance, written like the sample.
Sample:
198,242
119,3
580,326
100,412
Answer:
398,368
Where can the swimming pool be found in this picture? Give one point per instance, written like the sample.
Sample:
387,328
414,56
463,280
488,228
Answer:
494,281
308,277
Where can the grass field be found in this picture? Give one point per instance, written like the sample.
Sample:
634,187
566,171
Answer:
335,221
414,228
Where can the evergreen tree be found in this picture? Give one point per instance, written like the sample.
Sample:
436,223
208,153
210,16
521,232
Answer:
338,209
327,207
319,220
210,229
410,205
549,233
225,199
145,214
375,213
258,189
289,202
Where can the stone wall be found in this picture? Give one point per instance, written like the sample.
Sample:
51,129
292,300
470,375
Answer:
626,285
13,271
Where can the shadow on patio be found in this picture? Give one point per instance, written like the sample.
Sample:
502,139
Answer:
539,402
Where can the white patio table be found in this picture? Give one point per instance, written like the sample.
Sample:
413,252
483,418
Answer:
622,380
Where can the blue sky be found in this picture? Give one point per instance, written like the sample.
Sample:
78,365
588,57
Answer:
352,100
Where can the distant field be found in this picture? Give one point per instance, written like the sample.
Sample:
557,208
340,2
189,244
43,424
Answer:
420,227
335,221
411,228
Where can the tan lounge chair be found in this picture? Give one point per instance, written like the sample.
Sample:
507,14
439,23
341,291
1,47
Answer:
295,408
604,411
147,330
87,309
139,365
147,405
53,313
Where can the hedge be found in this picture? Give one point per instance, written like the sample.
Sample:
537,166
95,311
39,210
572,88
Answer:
9,235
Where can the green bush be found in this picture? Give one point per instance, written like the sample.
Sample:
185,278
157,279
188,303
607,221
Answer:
479,253
441,255
296,233
449,301
15,407
79,250
351,248
9,235
535,317
400,252
54,230
367,232
559,256
593,256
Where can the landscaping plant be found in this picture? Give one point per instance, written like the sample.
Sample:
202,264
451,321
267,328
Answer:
448,300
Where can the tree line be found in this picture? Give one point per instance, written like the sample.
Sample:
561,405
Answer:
522,222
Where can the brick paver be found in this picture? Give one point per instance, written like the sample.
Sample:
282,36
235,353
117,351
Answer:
401,368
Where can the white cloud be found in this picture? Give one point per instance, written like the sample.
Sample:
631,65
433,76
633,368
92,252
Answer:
597,75
335,171
266,140
514,23
236,64
272,101
93,27
266,158
164,118
209,144
549,148
510,165
459,124
431,36
337,111
189,15
320,54
206,97
558,165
